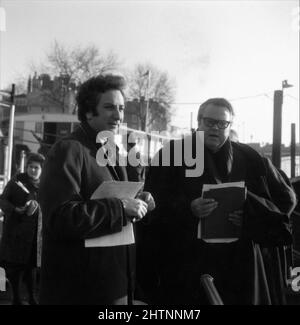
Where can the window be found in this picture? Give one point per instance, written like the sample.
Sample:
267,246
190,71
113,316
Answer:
39,127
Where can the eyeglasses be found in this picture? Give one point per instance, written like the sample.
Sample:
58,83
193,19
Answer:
210,122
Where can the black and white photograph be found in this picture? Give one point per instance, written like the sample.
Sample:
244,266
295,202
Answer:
149,155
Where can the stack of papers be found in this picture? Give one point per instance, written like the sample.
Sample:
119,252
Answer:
216,228
116,189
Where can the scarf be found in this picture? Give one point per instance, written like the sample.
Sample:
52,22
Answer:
219,165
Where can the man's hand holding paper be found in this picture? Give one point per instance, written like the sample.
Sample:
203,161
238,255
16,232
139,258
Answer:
20,210
135,204
236,217
202,208
135,209
222,217
148,198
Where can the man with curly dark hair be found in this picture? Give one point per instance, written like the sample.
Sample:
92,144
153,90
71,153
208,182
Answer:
72,273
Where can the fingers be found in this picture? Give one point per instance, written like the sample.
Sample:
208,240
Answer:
148,198
150,201
135,208
145,196
236,218
208,208
151,205
236,222
202,208
140,210
237,212
20,209
30,207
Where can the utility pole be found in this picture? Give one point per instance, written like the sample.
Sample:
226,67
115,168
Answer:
147,99
277,123
11,131
293,149
7,100
191,122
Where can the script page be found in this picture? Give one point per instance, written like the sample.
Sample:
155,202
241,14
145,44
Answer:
119,190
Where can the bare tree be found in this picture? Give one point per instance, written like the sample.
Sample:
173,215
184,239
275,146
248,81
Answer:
160,92
80,63
21,85
75,64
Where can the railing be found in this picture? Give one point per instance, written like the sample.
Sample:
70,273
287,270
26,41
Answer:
211,291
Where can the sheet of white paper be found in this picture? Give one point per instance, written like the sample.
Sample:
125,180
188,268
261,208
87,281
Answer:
125,237
207,187
119,190
2,280
220,240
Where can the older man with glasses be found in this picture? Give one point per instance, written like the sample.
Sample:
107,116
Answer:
176,258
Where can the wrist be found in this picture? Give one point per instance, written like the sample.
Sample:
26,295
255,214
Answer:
125,216
124,205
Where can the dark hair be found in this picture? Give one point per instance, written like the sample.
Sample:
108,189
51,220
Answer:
35,157
221,102
90,91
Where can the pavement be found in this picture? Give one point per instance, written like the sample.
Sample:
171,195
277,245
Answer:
5,296
292,298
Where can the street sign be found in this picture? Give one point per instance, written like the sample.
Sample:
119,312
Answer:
5,98
4,105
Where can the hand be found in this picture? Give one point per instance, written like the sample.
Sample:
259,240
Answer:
31,207
148,198
202,208
236,218
135,209
20,210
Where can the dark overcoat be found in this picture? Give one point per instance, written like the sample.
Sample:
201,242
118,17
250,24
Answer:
171,258
71,273
19,238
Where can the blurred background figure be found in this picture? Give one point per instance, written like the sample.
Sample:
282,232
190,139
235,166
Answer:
21,239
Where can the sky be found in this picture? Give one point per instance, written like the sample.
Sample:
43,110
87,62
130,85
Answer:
240,50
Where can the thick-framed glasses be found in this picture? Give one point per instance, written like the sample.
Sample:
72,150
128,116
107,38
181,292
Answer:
210,122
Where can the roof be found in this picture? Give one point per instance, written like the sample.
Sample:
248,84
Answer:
47,117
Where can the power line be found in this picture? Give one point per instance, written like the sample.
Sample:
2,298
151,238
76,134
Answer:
248,97
293,97
232,99
186,103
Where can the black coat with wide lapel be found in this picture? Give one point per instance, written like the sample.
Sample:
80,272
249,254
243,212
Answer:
71,273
